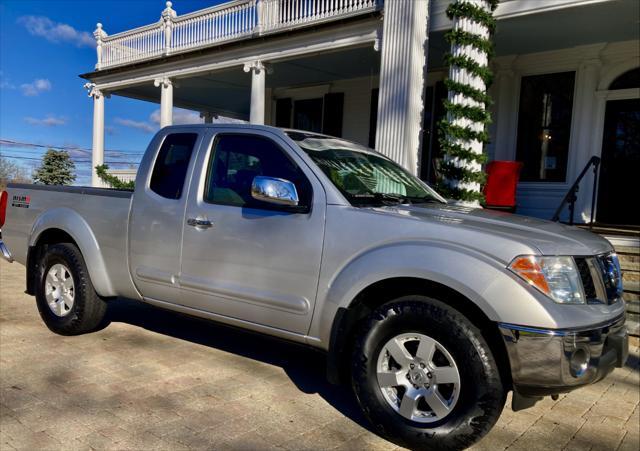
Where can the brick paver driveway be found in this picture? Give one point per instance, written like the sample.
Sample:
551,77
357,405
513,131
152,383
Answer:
154,379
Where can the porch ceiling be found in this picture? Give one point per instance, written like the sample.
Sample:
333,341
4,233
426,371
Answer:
609,21
228,91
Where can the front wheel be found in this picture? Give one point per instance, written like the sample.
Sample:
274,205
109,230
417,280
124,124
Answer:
67,302
424,375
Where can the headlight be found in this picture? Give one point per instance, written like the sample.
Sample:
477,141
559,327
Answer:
557,277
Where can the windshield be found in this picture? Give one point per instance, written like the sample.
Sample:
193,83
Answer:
363,176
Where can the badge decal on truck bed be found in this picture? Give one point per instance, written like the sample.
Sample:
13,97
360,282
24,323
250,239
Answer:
21,201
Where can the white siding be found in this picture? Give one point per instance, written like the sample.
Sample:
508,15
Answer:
594,65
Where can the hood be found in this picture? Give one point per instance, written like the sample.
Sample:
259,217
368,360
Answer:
550,238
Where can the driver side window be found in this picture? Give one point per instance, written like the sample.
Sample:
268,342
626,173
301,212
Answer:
237,159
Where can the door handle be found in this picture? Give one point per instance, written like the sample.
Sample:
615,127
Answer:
201,223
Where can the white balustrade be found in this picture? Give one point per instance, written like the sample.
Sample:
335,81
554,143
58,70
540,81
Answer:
226,22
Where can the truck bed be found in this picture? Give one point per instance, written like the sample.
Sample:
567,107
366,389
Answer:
101,213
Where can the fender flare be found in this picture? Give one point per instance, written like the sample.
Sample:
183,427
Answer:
436,262
70,222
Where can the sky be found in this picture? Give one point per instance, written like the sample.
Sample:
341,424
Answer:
44,46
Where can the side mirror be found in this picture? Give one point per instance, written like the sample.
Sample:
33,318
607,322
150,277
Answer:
275,191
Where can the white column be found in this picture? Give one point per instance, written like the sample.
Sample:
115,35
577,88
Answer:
402,72
258,71
505,118
166,101
585,147
97,149
465,77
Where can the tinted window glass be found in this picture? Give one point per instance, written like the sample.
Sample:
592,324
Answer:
237,159
170,169
544,126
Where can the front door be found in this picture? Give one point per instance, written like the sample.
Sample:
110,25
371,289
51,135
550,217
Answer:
620,164
243,258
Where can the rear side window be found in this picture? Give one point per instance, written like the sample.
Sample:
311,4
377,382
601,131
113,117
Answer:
170,170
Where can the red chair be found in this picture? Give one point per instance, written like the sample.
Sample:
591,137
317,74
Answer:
502,181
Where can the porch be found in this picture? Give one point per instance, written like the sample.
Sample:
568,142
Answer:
324,65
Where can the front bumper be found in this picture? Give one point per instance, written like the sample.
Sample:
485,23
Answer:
548,362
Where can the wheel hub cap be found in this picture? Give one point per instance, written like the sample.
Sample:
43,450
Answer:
418,377
59,290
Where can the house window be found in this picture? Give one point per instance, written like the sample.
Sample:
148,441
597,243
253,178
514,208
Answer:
319,115
544,126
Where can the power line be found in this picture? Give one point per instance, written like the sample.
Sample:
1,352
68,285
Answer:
75,160
10,142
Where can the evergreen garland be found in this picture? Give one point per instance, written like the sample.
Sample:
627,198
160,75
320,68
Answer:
112,180
455,139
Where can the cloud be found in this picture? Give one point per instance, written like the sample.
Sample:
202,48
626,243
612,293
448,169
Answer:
49,121
180,117
36,87
138,125
56,32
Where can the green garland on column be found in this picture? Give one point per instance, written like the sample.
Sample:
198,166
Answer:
452,136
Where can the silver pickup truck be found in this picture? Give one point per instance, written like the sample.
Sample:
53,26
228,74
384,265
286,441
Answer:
432,312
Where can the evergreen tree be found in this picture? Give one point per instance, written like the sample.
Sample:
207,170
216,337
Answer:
57,169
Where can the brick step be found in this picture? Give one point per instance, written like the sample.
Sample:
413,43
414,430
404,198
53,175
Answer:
626,250
630,258
633,306
631,285
633,324
630,276
629,296
629,266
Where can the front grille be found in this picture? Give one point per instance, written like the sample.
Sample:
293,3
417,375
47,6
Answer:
600,277
587,279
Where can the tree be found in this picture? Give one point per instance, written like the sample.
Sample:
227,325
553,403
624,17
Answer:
57,169
463,132
11,172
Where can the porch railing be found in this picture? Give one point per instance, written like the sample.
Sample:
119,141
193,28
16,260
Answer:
572,194
226,22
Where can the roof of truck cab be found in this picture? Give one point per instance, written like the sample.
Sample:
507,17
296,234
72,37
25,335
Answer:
249,127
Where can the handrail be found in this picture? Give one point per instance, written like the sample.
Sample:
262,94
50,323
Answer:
571,195
233,20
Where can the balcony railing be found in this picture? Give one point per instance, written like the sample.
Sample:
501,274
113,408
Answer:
226,22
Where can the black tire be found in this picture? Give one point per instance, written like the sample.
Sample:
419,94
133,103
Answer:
482,394
88,308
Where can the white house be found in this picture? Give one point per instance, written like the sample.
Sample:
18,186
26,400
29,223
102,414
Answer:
566,87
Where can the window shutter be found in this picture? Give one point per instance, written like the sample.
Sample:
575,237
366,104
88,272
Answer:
373,118
333,112
283,113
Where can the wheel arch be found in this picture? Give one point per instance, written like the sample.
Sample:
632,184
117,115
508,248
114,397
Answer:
63,225
376,294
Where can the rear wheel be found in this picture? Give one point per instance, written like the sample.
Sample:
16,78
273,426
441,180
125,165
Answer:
67,302
424,375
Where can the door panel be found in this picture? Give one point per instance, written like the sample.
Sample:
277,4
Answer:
620,163
255,262
155,227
